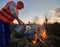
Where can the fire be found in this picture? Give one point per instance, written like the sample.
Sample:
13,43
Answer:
43,35
35,39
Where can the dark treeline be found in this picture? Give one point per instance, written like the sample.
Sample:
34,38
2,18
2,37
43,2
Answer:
53,31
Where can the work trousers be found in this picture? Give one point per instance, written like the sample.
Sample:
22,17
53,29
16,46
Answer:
5,31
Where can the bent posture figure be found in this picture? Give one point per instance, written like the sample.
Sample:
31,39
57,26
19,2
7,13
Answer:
7,15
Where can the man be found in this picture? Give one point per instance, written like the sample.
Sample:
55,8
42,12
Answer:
7,14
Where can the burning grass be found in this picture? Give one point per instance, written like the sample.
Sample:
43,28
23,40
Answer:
41,36
39,39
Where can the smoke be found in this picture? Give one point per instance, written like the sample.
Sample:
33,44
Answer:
55,10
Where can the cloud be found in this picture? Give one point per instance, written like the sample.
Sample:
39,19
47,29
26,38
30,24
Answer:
55,10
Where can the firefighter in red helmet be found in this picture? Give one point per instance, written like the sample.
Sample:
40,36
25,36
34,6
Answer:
7,15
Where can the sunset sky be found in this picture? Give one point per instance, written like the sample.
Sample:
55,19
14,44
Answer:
37,8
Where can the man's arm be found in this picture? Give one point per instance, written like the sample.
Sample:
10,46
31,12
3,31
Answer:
19,21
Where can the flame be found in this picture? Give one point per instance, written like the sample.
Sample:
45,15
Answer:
43,35
35,39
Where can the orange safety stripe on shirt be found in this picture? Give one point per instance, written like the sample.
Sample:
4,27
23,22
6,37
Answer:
3,17
6,14
8,11
9,15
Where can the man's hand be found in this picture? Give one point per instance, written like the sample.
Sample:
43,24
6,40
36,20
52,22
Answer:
20,22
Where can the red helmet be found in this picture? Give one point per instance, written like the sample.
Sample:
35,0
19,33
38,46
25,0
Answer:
21,3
